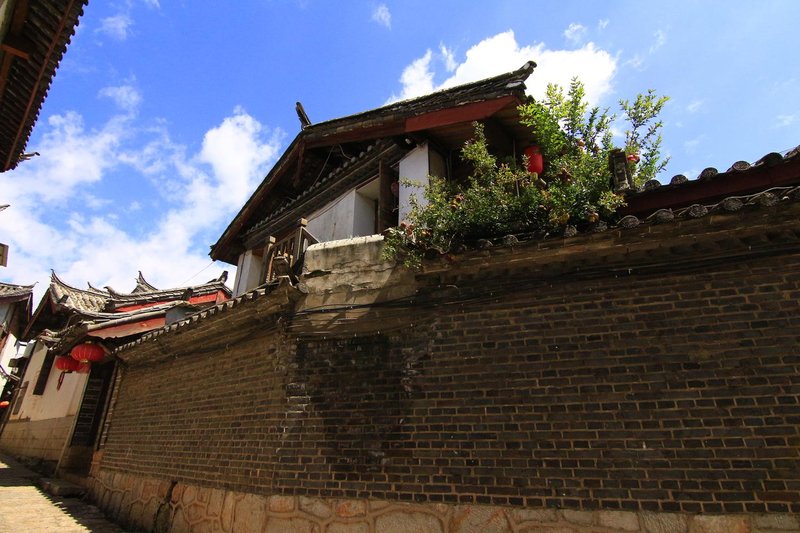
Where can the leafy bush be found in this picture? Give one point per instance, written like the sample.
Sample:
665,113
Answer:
501,198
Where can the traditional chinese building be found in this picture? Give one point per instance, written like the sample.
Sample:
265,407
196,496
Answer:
62,399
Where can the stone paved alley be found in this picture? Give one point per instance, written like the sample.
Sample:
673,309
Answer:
24,508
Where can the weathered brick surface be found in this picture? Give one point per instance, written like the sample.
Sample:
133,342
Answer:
673,391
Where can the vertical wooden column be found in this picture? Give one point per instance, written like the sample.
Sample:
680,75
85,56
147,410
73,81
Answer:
387,202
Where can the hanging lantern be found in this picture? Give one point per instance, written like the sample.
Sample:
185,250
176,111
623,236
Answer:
83,368
66,364
535,160
88,352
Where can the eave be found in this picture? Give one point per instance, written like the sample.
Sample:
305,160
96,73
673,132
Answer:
30,52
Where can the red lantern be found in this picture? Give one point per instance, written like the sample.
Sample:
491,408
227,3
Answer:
83,368
535,161
66,364
88,352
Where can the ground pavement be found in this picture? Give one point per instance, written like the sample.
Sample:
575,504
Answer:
26,509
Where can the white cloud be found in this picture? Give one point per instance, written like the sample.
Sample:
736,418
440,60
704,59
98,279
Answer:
602,24
449,58
59,220
382,16
117,27
126,97
575,33
71,157
692,144
785,120
501,53
636,61
694,106
417,78
661,39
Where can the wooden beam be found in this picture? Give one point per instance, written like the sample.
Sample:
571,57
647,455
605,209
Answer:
298,173
499,137
19,17
357,134
387,201
17,46
458,114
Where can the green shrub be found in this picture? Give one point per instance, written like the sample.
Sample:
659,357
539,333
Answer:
501,198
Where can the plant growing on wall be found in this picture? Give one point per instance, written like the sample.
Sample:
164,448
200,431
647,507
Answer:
501,198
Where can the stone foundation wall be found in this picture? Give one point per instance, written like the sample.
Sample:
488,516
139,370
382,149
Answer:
40,439
151,504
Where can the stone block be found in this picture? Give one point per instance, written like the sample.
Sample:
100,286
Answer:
281,504
719,524
479,519
402,521
196,512
249,514
290,525
549,529
583,518
215,501
780,522
349,527
179,522
226,515
664,522
135,513
618,520
315,507
349,508
377,505
534,515
189,495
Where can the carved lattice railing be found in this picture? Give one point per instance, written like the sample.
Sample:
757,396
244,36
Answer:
290,247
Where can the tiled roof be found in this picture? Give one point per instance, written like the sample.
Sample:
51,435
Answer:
97,302
79,300
10,293
486,89
742,178
95,307
42,33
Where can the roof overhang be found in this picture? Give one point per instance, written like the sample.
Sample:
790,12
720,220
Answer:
33,38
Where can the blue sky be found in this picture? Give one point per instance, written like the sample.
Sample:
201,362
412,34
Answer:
164,116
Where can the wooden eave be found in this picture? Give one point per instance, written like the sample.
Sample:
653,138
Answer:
30,52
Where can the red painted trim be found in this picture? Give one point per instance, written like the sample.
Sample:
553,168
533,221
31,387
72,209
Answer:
213,297
459,114
123,330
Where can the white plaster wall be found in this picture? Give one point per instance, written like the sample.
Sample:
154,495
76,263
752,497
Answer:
335,220
9,350
54,403
248,272
415,167
363,216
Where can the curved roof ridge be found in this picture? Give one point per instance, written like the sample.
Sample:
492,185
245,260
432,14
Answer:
75,297
95,290
142,285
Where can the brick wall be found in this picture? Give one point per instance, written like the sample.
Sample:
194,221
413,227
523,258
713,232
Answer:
673,391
